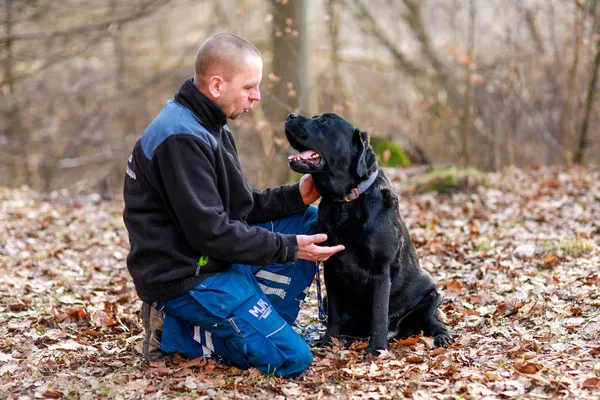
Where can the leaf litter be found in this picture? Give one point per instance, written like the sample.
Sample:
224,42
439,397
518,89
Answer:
517,261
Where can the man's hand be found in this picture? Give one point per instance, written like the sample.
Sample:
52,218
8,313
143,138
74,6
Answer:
308,250
307,190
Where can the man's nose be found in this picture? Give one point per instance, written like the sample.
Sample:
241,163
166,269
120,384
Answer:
255,95
291,116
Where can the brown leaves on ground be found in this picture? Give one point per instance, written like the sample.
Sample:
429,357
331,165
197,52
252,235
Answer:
517,262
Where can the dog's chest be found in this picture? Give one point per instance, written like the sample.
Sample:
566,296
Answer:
343,224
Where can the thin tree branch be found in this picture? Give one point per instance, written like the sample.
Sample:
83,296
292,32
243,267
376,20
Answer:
369,25
146,10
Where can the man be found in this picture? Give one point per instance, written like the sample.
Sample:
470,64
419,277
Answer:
227,266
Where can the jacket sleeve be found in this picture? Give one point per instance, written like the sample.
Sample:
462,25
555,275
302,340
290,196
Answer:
275,203
186,168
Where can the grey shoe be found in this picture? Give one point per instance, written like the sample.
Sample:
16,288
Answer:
153,321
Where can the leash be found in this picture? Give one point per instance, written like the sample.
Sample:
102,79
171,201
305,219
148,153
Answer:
322,313
316,330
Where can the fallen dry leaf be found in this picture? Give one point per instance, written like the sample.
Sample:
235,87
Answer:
92,332
437,351
454,286
102,319
53,394
551,261
362,346
527,368
491,376
410,341
591,383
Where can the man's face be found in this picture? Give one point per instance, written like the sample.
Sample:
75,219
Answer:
241,91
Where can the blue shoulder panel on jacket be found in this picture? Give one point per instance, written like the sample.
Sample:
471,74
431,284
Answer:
174,119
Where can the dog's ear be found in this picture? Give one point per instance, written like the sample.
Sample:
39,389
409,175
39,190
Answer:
362,143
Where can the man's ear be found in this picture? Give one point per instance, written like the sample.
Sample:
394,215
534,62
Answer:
362,143
216,86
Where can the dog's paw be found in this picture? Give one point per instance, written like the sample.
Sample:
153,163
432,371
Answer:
375,350
443,340
324,341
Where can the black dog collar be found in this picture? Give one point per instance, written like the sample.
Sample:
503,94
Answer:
361,188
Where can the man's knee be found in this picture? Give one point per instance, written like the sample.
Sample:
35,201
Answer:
284,353
299,362
296,360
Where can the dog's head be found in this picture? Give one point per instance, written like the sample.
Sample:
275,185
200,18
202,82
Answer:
332,150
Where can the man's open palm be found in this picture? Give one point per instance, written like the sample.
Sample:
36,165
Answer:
308,249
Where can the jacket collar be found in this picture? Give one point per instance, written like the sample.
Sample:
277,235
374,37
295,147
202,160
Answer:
208,112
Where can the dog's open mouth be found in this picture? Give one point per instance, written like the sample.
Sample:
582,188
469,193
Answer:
307,158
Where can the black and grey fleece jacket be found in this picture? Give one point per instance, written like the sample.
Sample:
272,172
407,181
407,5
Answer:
188,206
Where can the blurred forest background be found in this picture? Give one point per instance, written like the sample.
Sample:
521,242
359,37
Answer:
484,83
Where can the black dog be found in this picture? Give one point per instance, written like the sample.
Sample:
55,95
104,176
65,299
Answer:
376,286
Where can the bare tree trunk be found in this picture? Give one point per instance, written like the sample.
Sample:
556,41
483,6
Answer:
126,122
337,94
497,147
510,107
465,158
304,60
568,121
534,31
582,142
334,32
283,96
453,24
512,133
17,167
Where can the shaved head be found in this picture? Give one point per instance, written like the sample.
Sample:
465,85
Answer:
228,70
221,54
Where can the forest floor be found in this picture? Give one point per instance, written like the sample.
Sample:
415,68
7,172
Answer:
517,260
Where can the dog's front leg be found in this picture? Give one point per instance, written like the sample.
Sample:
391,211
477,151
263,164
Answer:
379,317
334,320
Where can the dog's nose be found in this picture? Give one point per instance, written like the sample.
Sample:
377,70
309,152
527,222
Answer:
292,116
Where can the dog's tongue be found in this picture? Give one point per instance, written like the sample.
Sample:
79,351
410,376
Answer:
305,155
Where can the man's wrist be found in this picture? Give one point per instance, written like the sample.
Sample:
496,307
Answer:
290,253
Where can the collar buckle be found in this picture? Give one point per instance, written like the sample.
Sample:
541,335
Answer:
352,196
